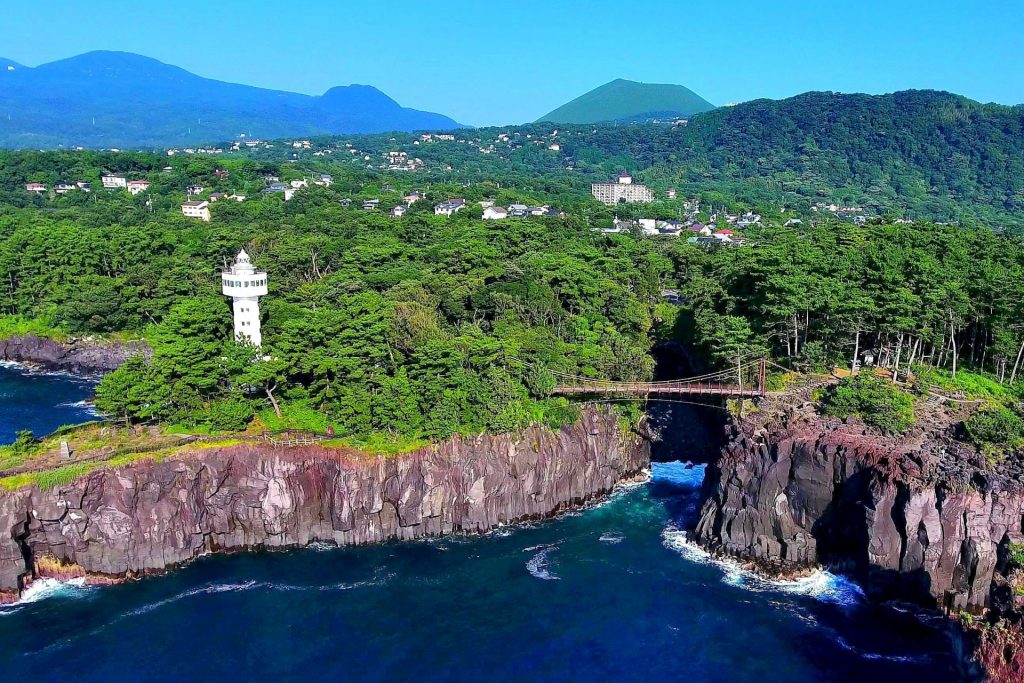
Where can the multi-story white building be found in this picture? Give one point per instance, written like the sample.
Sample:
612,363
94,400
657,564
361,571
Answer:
137,186
622,190
114,182
245,285
200,210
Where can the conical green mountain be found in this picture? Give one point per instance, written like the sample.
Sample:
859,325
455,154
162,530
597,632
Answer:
623,100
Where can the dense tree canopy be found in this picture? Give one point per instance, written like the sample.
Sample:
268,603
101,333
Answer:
426,325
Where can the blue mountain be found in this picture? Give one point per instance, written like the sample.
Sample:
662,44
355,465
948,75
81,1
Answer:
118,99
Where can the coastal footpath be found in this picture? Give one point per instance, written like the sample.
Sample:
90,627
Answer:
152,515
920,517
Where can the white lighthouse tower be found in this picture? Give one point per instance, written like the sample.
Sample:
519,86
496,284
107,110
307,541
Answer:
245,286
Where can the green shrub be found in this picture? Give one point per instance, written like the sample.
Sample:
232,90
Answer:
16,325
873,400
995,429
228,415
295,415
973,385
1017,554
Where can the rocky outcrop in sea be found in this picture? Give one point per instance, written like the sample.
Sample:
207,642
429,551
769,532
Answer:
149,516
920,516
79,356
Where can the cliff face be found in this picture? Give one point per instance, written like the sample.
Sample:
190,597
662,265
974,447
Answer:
77,356
153,515
914,518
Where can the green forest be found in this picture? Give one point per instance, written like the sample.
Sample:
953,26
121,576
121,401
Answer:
424,326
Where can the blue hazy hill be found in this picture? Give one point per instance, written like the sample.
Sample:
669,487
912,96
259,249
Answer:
123,100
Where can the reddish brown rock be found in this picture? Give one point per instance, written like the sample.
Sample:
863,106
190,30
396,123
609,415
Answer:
153,515
916,517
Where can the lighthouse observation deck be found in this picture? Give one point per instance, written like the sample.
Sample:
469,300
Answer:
244,285
242,280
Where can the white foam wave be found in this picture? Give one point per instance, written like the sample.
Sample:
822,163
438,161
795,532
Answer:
877,656
203,590
611,537
41,589
538,564
820,584
87,405
29,369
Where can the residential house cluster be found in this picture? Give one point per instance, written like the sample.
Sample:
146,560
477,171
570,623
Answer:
197,150
109,182
120,182
397,160
492,212
696,233
851,214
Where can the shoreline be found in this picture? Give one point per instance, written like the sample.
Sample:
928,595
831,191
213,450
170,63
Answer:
151,516
85,356
75,575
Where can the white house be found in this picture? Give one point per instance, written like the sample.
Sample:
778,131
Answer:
137,186
113,182
494,213
449,207
399,211
200,210
245,285
38,188
289,192
649,226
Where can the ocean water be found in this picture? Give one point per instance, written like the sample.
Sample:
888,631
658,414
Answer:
615,592
611,593
41,401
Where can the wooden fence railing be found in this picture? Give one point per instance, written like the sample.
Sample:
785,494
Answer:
294,437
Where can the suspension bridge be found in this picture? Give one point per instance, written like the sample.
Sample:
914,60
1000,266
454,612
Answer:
746,379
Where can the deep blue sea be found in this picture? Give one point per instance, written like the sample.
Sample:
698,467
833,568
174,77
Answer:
41,401
611,593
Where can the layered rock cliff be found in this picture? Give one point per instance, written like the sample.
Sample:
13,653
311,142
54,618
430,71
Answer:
918,517
80,356
153,515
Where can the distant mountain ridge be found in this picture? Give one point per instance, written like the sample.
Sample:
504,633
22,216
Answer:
123,100
622,100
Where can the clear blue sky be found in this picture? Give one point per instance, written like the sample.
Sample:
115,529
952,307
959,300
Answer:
490,62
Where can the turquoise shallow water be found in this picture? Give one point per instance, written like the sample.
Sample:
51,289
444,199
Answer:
612,593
